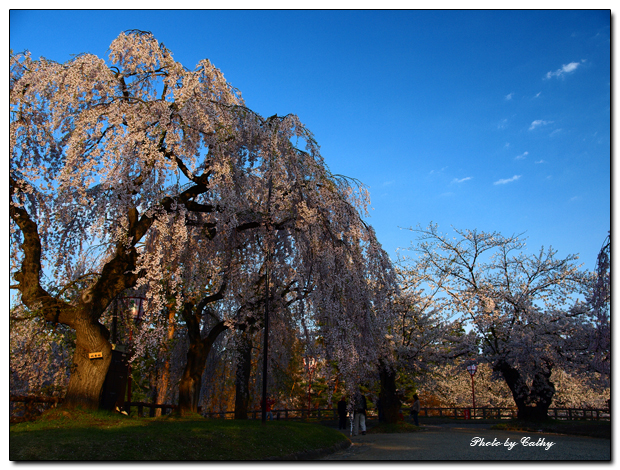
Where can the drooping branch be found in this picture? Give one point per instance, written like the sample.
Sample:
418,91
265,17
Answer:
28,277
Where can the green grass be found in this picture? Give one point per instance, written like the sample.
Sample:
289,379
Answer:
79,435
600,429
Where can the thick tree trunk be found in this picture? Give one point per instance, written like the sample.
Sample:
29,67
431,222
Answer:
532,402
388,397
242,379
191,380
88,374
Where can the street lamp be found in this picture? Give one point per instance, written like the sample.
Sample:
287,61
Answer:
472,371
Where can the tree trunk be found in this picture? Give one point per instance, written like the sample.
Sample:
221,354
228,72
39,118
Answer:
389,399
88,374
242,379
191,380
532,402
163,385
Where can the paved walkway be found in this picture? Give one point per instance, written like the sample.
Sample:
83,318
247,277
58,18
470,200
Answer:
454,442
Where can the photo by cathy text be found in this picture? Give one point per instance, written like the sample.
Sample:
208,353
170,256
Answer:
525,441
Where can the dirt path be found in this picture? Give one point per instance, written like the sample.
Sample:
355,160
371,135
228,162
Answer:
455,443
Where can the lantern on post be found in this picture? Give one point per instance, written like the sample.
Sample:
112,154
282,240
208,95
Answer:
472,371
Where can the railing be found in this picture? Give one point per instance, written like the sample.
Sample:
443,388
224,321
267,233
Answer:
469,413
511,413
25,408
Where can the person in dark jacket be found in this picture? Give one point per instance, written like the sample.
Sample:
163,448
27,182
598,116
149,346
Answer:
342,413
415,409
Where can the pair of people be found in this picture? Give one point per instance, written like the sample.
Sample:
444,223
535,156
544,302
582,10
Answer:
359,414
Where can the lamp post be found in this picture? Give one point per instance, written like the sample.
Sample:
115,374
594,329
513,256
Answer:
472,371
135,312
310,364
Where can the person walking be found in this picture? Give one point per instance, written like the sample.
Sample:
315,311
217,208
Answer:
415,409
360,414
269,405
342,413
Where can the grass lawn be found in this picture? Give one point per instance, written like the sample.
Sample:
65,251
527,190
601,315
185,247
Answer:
80,435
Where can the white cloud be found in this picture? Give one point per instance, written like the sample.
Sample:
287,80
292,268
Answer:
566,68
540,161
538,94
539,122
509,96
508,180
462,180
522,156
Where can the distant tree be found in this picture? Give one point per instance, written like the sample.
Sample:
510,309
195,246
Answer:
419,330
523,310
39,355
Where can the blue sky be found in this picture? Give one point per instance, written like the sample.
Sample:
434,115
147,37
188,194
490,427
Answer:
494,120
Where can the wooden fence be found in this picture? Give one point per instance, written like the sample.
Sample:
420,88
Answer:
25,408
332,413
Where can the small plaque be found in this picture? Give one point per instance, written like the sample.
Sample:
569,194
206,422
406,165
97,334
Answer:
95,355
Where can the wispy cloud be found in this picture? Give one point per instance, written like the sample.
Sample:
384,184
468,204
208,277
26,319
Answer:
557,131
509,96
462,180
522,156
508,180
539,162
538,123
565,69
538,94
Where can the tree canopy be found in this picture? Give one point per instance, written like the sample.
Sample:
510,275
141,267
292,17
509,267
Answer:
137,173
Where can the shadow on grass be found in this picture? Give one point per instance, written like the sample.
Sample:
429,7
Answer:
104,437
